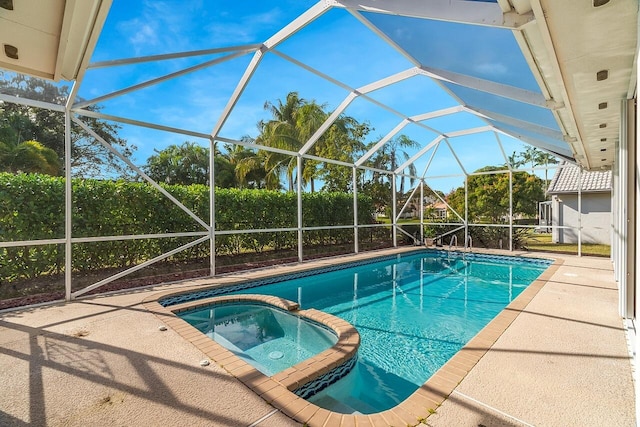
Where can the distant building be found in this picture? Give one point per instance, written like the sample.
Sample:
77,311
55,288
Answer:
436,210
596,205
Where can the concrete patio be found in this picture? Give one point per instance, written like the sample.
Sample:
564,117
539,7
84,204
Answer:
564,361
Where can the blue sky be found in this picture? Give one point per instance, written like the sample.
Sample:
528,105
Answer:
336,44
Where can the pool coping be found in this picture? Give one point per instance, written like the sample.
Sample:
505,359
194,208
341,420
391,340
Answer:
301,374
412,411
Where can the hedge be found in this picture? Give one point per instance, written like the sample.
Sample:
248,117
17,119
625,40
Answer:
32,208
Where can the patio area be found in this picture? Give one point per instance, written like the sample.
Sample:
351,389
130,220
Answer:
564,360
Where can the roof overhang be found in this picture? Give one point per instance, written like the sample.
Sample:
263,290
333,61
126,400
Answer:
52,39
570,43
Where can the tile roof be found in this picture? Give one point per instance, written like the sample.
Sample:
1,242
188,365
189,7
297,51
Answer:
565,180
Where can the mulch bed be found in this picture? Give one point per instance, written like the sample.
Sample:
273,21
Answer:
155,275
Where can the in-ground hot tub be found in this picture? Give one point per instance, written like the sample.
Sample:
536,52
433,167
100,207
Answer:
268,338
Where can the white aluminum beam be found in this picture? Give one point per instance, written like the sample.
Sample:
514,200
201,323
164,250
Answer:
42,242
528,126
138,237
177,55
350,89
138,267
383,141
552,149
491,87
504,154
242,84
386,172
406,203
141,173
97,115
389,80
419,154
461,11
437,113
281,151
297,24
327,123
160,79
447,204
383,36
433,154
313,70
456,157
31,103
470,131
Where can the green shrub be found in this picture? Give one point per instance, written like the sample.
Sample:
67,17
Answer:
32,208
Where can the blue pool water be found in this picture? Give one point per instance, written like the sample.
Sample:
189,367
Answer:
413,313
269,339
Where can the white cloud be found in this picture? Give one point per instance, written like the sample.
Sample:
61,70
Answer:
491,69
245,31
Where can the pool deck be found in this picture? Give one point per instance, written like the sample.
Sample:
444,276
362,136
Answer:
559,357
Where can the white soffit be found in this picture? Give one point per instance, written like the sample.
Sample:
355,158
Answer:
577,40
53,38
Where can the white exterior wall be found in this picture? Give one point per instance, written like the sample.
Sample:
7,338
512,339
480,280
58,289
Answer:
596,218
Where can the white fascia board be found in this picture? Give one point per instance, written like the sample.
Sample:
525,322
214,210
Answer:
327,123
82,23
383,141
554,63
461,11
488,86
419,154
532,127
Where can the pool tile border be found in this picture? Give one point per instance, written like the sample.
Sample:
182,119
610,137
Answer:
279,391
309,376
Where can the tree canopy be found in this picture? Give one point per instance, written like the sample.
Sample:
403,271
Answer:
488,195
20,123
28,156
187,164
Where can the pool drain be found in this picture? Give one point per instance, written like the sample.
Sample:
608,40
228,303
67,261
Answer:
276,355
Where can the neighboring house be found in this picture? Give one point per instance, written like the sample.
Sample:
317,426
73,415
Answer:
596,205
437,210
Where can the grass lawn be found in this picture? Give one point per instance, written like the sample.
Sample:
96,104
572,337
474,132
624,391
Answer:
542,242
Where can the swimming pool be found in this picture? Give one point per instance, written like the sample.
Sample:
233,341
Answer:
413,313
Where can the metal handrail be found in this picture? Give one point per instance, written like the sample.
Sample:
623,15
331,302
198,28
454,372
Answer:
468,243
453,238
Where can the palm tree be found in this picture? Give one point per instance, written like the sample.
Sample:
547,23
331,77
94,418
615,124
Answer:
389,158
249,166
28,156
535,157
293,123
